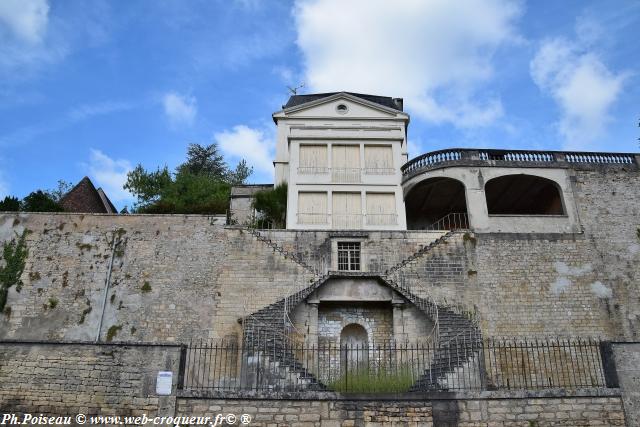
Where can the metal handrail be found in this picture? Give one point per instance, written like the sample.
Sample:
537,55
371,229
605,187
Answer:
451,221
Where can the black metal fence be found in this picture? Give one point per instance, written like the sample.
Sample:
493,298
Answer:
280,365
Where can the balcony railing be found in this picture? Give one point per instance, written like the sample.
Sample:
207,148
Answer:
313,218
345,175
306,170
347,221
490,157
382,219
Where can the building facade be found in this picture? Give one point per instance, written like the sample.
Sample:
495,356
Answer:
340,154
499,288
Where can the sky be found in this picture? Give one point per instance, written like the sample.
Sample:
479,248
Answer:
95,88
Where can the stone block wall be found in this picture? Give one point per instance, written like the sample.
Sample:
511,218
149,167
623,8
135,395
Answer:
182,277
626,358
174,278
470,412
67,379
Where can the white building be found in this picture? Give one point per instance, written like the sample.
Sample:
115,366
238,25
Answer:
340,154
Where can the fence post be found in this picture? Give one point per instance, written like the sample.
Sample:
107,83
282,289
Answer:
609,365
182,366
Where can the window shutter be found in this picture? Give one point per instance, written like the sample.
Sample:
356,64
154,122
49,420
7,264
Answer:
378,157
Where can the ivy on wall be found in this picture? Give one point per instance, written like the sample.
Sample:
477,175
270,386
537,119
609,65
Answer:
14,257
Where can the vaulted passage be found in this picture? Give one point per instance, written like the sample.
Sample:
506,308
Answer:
523,195
436,203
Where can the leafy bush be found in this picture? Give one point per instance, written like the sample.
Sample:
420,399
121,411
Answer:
272,205
40,201
14,254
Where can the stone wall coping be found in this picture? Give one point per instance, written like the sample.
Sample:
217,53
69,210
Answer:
90,343
114,214
553,393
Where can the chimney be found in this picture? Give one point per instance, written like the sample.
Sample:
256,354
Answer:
399,103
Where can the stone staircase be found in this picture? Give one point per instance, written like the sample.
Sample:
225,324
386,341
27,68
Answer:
278,249
458,336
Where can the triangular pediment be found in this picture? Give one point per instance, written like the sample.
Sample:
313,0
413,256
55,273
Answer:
341,106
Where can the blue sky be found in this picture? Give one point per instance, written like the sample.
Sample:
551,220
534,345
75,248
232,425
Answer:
94,88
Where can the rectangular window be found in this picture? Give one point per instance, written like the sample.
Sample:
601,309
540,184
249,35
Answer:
381,209
313,159
378,160
312,208
349,256
346,210
345,163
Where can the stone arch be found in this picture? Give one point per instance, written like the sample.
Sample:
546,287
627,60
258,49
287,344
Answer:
433,199
354,346
523,194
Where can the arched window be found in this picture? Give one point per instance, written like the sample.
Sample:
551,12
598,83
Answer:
437,204
523,195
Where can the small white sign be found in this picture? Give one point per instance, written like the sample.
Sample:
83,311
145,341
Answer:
164,382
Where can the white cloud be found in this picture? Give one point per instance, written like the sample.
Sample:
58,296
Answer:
109,174
580,83
436,54
180,110
26,19
253,145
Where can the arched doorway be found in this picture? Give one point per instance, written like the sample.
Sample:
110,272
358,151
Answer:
437,204
523,195
354,347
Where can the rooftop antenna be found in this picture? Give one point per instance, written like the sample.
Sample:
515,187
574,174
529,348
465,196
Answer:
294,90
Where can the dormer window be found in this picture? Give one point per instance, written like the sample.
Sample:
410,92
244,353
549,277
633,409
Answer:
342,109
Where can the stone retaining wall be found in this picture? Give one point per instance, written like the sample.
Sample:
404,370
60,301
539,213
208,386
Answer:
511,412
67,379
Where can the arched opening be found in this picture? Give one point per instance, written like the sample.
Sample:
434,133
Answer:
437,204
523,195
354,346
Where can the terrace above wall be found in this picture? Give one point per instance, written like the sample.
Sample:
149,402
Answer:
516,158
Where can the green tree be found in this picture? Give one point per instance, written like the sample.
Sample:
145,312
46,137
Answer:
272,205
63,188
40,201
240,174
10,204
204,161
201,184
147,186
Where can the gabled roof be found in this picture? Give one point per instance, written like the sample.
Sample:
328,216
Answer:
385,101
85,198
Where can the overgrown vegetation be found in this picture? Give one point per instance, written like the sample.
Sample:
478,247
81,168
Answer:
84,314
638,233
271,206
200,185
369,380
37,201
53,303
113,331
14,255
468,237
146,287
